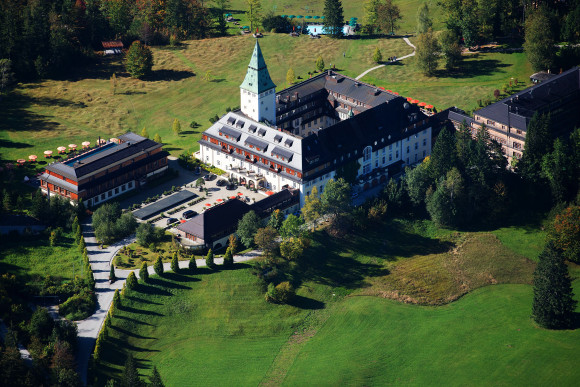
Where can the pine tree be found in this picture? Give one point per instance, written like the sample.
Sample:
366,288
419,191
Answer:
158,266
175,263
155,379
144,272
144,133
538,143
82,244
157,138
75,224
233,243
116,300
132,281
228,258
553,306
539,44
450,49
130,375
193,264
176,127
90,279
112,276
377,56
333,18
290,77
209,259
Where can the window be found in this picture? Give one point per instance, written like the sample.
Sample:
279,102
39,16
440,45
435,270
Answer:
397,154
416,145
424,142
408,148
130,184
366,169
367,154
116,191
102,196
424,154
384,159
390,157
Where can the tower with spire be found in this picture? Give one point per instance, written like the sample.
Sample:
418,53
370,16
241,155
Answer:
258,92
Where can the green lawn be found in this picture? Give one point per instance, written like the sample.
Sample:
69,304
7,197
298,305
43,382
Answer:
486,338
33,257
335,333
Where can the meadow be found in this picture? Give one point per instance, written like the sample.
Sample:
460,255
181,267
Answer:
344,327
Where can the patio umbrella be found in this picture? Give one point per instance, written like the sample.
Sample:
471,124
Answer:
308,17
389,91
291,16
240,194
284,15
300,17
86,144
322,17
208,204
269,193
47,153
382,88
61,149
32,157
409,99
219,200
183,221
115,140
20,161
422,104
316,17
101,141
72,146
394,92
232,197
415,101
429,106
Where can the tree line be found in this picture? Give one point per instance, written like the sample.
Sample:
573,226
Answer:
44,38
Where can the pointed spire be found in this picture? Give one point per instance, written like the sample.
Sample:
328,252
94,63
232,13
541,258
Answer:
257,78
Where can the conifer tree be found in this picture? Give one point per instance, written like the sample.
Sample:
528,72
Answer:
538,143
377,56
553,306
144,272
130,375
139,60
144,133
290,77
228,258
192,264
132,281
116,300
320,63
157,138
209,259
175,263
112,276
333,18
158,266
155,379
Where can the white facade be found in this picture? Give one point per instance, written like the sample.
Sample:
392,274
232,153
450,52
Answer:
259,107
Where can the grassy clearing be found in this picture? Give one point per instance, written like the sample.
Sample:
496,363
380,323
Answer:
526,240
33,257
479,76
219,324
51,113
486,338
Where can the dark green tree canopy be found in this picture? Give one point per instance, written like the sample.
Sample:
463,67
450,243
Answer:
139,60
247,227
333,18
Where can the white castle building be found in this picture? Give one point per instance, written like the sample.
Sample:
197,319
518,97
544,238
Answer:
304,135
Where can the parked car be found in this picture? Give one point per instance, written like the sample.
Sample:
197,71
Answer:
171,220
188,214
197,170
221,183
209,177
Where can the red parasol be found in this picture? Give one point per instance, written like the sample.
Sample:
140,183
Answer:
269,193
422,104
415,101
429,106
219,200
240,194
394,92
208,204
409,99
183,220
232,197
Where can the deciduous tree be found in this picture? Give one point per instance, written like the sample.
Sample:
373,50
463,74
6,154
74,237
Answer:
427,53
247,228
139,60
290,77
377,56
539,43
176,127
538,143
389,15
320,63
312,209
265,239
424,21
371,18
254,13
450,49
565,233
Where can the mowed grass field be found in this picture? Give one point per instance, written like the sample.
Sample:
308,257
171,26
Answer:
216,328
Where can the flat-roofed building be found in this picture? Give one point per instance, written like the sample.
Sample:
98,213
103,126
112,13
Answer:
106,171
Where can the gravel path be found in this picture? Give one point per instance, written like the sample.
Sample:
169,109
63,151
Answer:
398,59
100,260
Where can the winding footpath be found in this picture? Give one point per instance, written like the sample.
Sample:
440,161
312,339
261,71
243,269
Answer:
385,64
100,260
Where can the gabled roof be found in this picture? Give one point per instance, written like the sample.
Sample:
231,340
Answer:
257,78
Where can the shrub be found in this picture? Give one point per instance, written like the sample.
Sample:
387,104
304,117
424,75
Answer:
116,300
158,266
78,306
209,259
144,273
148,234
285,292
192,264
132,281
228,258
175,263
271,295
112,276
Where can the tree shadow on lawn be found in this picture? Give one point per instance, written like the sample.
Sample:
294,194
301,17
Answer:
306,303
160,283
132,320
16,116
474,68
170,75
129,309
143,301
132,334
120,343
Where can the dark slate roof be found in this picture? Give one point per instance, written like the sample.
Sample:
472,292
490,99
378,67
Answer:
277,138
163,204
263,145
261,132
231,121
215,220
517,110
252,128
231,132
341,84
101,157
282,152
288,142
240,124
275,201
542,76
